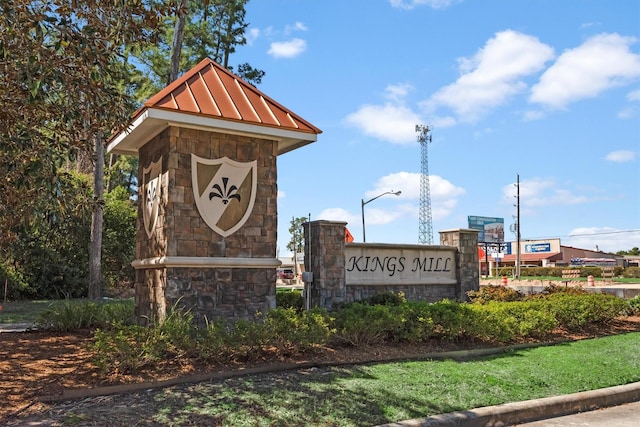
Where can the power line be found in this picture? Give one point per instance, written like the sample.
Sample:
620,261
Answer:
604,233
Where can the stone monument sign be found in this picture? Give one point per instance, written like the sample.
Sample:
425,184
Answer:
207,200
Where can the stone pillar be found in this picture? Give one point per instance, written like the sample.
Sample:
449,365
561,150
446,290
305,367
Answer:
324,257
466,240
180,257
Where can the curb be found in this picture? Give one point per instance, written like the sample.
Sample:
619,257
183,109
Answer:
530,410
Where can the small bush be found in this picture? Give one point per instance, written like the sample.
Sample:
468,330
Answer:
363,324
293,333
507,321
290,299
387,298
72,315
452,320
416,322
574,312
634,305
128,348
631,272
564,290
494,293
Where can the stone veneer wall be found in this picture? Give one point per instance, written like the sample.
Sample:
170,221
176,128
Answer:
324,257
466,240
228,290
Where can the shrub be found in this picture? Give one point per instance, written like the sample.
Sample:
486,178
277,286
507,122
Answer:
293,333
416,322
494,293
363,324
564,290
506,321
634,305
387,298
71,315
452,320
127,348
631,272
290,299
574,312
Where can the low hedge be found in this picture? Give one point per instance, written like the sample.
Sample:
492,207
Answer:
288,331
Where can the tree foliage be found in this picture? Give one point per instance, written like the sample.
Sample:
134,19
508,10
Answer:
212,29
296,244
67,78
63,74
62,77
633,251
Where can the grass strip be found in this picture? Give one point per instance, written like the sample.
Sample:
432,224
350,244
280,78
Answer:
381,393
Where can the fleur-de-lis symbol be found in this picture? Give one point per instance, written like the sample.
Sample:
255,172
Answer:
225,194
151,195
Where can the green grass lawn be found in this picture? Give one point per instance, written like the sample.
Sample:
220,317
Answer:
22,311
367,395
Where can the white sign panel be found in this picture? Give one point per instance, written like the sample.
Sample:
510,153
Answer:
368,264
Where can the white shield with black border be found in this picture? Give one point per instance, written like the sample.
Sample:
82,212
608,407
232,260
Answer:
224,191
151,188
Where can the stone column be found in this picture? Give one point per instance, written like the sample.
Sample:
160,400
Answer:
324,257
180,258
466,240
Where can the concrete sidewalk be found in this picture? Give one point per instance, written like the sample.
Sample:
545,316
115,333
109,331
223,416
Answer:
16,327
510,414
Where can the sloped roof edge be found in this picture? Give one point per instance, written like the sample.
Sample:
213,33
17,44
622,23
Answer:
210,95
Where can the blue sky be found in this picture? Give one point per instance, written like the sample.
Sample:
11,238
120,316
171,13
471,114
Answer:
545,89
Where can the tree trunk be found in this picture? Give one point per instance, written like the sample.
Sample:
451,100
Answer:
178,37
95,245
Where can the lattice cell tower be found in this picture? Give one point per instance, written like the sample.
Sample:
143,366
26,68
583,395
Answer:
425,226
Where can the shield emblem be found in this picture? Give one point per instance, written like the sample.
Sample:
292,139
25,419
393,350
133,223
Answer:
224,191
151,187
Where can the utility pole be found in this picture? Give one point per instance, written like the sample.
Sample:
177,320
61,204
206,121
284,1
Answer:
518,226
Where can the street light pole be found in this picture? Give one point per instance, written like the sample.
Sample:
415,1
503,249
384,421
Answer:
395,193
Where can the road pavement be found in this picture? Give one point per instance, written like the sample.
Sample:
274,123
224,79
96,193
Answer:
626,415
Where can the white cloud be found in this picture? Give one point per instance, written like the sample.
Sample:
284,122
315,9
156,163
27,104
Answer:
339,214
398,92
602,62
444,194
531,115
410,4
298,26
541,192
621,156
633,95
492,76
252,35
281,194
389,122
393,122
288,49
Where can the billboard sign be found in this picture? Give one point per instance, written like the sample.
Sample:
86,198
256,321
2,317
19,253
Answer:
490,230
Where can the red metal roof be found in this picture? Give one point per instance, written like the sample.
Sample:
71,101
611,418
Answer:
212,90
210,96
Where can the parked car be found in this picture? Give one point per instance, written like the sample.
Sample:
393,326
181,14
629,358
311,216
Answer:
285,273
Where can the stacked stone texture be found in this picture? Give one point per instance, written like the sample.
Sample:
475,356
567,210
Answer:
324,256
181,231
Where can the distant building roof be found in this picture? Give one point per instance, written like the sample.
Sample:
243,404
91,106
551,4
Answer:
211,97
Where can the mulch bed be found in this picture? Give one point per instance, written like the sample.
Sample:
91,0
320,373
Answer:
40,365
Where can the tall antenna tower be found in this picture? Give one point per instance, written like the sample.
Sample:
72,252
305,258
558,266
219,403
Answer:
425,227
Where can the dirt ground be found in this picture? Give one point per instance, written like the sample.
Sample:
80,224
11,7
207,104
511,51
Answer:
37,365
